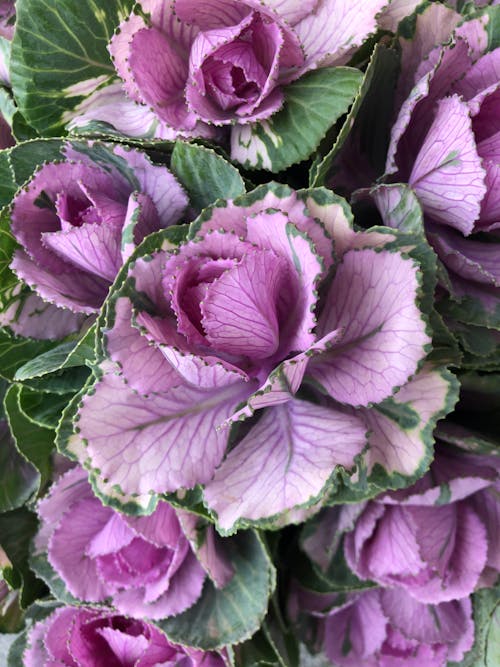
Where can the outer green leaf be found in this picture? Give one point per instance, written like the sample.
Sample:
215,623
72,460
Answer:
66,355
59,56
8,282
35,442
313,104
368,122
7,179
17,529
15,351
26,157
493,27
486,649
234,613
43,569
205,174
19,479
41,408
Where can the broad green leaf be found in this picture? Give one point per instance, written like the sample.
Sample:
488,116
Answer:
205,174
15,351
42,408
17,528
66,355
35,442
486,649
59,56
313,104
28,156
234,613
19,479
61,382
8,185
368,122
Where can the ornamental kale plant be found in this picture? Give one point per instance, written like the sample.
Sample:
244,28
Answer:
249,333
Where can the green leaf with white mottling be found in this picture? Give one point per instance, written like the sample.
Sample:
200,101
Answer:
234,613
59,56
42,408
313,104
205,174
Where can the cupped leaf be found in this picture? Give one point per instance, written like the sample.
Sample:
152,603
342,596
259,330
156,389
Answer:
313,104
234,613
59,56
205,174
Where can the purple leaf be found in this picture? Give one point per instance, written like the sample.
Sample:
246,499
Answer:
372,298
285,460
404,450
158,443
447,174
336,28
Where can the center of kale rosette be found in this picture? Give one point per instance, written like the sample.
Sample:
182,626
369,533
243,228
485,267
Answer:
232,303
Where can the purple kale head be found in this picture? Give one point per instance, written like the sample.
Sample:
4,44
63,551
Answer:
446,144
144,566
388,628
437,539
226,62
228,327
78,220
73,636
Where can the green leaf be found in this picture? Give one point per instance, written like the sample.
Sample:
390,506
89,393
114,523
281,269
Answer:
9,286
205,174
493,27
368,122
313,104
43,569
234,613
42,408
26,157
8,185
35,442
59,56
17,529
19,479
66,355
486,649
14,352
